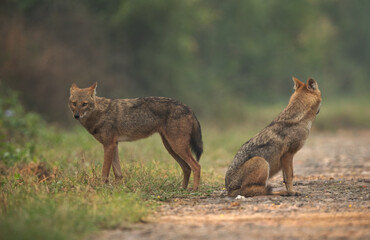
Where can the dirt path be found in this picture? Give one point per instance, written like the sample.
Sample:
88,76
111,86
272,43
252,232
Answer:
332,173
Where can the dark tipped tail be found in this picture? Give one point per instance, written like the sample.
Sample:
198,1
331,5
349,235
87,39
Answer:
196,142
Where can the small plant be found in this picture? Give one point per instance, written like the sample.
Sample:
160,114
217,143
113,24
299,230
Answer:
51,187
19,130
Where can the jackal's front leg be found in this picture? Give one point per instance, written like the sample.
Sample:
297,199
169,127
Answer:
109,152
287,168
116,164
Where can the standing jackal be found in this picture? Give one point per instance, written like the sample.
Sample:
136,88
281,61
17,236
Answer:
113,120
274,147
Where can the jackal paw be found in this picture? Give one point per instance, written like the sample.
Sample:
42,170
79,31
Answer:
287,194
293,193
118,178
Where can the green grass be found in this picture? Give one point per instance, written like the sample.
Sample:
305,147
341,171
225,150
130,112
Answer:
64,210
71,202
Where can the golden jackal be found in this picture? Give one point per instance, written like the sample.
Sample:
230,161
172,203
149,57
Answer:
113,120
274,147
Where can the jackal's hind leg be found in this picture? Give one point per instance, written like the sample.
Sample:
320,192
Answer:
184,166
194,165
254,174
183,151
177,133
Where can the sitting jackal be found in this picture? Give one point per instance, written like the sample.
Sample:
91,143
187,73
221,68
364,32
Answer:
274,147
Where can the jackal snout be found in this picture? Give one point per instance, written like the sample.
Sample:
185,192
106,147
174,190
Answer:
81,101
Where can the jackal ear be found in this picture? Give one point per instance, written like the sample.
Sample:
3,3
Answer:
92,89
73,87
311,84
297,83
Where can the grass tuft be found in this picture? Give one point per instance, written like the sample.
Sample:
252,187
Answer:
50,179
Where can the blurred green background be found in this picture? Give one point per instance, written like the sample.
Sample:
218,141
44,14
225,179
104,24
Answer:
228,60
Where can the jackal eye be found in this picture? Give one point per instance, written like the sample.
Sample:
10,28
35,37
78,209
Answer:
74,104
84,104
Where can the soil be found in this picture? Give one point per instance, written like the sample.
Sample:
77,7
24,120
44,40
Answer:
332,173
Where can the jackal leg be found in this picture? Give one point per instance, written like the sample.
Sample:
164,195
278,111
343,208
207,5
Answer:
116,164
177,134
254,175
186,155
109,152
287,168
184,166
182,149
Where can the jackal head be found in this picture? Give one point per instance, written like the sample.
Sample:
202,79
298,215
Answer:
82,100
307,94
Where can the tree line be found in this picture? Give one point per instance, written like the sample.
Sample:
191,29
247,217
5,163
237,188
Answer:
209,54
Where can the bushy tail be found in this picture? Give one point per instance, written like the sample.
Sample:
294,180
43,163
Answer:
196,142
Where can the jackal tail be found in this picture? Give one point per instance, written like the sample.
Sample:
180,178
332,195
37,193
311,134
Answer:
196,142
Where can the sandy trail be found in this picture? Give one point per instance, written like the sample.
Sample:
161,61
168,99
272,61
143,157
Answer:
332,172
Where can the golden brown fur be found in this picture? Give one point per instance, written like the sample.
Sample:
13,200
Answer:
113,120
274,147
